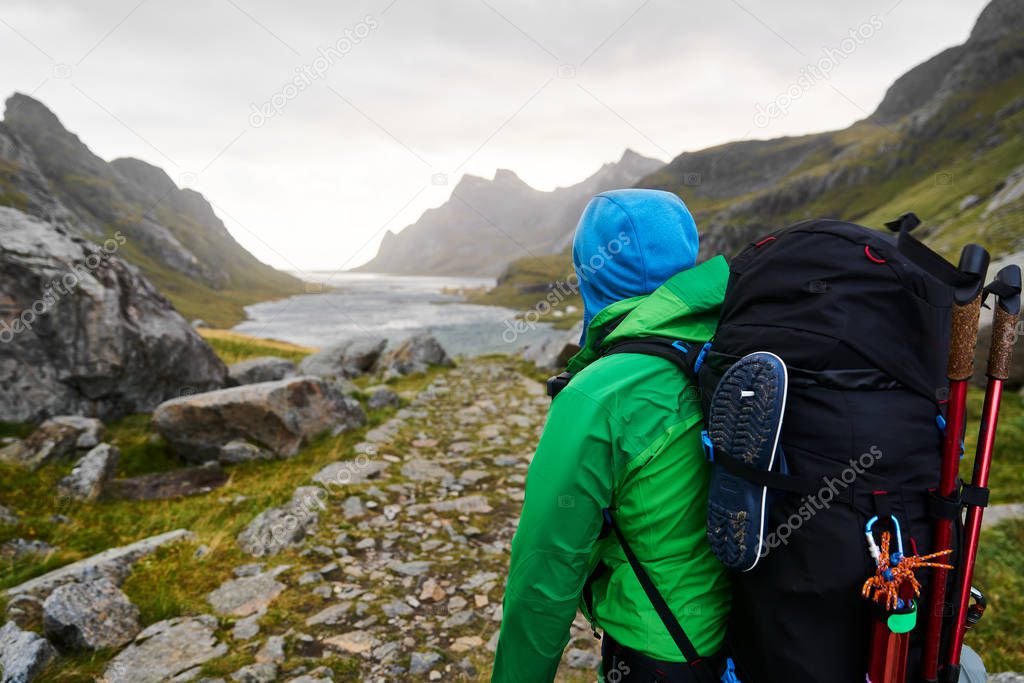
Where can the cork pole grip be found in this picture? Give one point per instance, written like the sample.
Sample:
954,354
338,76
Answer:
965,338
1004,332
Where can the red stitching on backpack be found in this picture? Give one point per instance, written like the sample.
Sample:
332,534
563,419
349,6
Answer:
765,241
872,257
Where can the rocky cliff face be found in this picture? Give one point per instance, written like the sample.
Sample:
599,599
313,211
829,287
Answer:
172,234
487,223
83,332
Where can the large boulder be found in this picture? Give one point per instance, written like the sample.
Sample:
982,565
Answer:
349,358
57,438
554,352
23,654
415,354
91,474
281,416
93,615
82,332
262,369
114,564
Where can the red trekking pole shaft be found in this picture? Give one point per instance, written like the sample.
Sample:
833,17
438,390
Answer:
966,314
1007,287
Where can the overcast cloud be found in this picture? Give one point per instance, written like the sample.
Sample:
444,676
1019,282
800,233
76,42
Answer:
413,91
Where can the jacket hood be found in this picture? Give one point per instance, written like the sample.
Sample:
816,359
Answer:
628,243
686,308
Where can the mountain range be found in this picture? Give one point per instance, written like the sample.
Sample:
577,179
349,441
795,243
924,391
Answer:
171,234
945,142
486,223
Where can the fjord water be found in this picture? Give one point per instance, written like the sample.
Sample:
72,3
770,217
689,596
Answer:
391,306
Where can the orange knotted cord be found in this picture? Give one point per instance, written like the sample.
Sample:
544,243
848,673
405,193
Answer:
887,590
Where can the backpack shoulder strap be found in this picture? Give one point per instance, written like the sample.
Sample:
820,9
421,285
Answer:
699,665
687,357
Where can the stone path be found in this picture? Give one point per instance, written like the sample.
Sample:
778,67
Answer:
402,564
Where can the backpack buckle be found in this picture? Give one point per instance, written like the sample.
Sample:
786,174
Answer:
706,443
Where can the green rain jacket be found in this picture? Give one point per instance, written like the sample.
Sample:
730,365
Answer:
624,434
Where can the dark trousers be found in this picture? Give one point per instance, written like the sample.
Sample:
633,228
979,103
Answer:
621,664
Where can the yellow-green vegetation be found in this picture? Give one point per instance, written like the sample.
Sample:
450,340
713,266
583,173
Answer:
543,284
1000,575
1007,476
218,307
233,347
174,580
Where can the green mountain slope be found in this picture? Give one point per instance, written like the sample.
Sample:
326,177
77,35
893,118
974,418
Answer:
945,142
171,234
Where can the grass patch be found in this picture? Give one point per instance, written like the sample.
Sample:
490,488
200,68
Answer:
232,347
1006,479
1000,574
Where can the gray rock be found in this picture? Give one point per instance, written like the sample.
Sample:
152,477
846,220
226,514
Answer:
23,654
415,354
969,201
582,659
94,615
107,344
465,505
7,517
359,470
247,628
353,508
87,480
247,595
19,548
349,358
460,618
426,470
262,369
422,662
256,673
272,650
381,397
1012,190
55,439
114,564
240,450
1006,677
995,514
165,650
396,608
281,416
554,352
335,614
277,528
413,568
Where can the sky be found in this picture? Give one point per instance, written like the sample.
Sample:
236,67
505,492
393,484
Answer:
314,127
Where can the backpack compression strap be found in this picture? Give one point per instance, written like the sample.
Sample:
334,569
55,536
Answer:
701,668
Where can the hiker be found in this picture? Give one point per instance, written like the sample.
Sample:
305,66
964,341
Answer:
624,435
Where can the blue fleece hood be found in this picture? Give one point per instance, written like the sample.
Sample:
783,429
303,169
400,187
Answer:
628,243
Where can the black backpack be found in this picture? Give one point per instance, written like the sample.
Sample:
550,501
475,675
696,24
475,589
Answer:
862,320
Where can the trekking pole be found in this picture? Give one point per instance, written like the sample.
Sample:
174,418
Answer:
1007,288
966,314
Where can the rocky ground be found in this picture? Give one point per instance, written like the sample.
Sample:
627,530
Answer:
387,564
402,570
